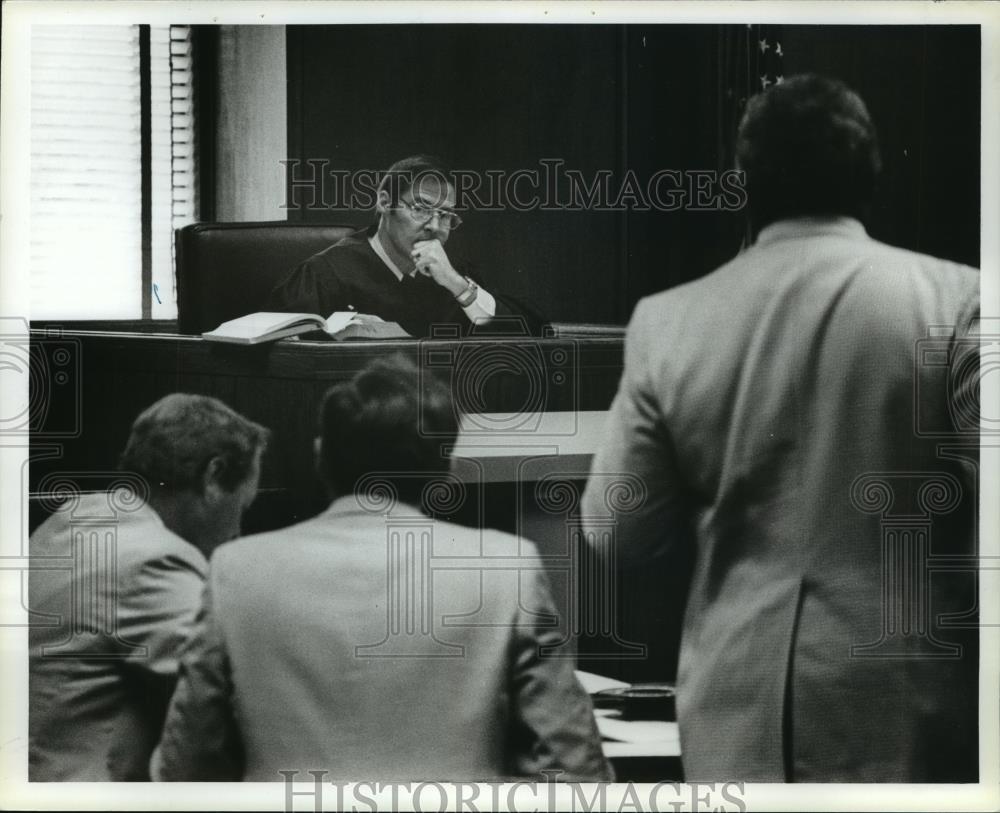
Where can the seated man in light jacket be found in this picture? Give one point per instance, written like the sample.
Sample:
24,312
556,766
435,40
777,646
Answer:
373,640
116,580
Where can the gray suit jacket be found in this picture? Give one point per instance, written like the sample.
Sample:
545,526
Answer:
374,646
114,595
785,415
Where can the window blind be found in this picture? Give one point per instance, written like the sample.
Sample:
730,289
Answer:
174,167
86,227
85,172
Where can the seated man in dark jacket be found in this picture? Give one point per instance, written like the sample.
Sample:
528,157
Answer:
398,269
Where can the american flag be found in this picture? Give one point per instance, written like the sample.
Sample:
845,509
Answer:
767,66
752,59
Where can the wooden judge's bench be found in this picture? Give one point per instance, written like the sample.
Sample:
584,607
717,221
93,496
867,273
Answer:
532,414
532,396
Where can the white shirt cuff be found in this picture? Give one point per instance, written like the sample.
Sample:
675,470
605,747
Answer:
484,306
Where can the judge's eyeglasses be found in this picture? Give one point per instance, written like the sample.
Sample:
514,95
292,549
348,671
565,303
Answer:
423,214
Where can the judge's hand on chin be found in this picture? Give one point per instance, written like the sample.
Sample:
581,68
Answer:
431,261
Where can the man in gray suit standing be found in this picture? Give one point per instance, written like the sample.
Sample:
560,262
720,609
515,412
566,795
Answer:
373,640
804,418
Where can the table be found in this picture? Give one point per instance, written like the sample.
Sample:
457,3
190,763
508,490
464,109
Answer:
640,750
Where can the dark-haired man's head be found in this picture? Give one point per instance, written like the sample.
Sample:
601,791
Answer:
415,202
388,424
405,173
808,148
201,460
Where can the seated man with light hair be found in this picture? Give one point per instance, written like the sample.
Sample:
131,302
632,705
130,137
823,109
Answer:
372,640
116,582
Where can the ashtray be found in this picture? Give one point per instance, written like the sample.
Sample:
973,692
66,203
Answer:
640,701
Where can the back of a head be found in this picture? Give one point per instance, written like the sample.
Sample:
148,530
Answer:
173,441
389,424
808,148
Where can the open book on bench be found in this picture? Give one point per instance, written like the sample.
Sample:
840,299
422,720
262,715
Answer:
267,326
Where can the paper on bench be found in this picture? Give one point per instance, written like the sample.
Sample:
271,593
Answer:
598,683
338,320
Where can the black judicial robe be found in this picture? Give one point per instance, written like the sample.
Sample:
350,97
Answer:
349,275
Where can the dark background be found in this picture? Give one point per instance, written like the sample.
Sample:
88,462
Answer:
649,97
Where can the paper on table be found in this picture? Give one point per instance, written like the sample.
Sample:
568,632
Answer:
638,731
598,683
660,748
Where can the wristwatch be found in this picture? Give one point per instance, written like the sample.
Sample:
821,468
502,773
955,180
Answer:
468,296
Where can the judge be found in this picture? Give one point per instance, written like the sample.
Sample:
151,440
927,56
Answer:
398,269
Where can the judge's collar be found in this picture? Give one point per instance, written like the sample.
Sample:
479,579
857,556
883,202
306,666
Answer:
380,251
